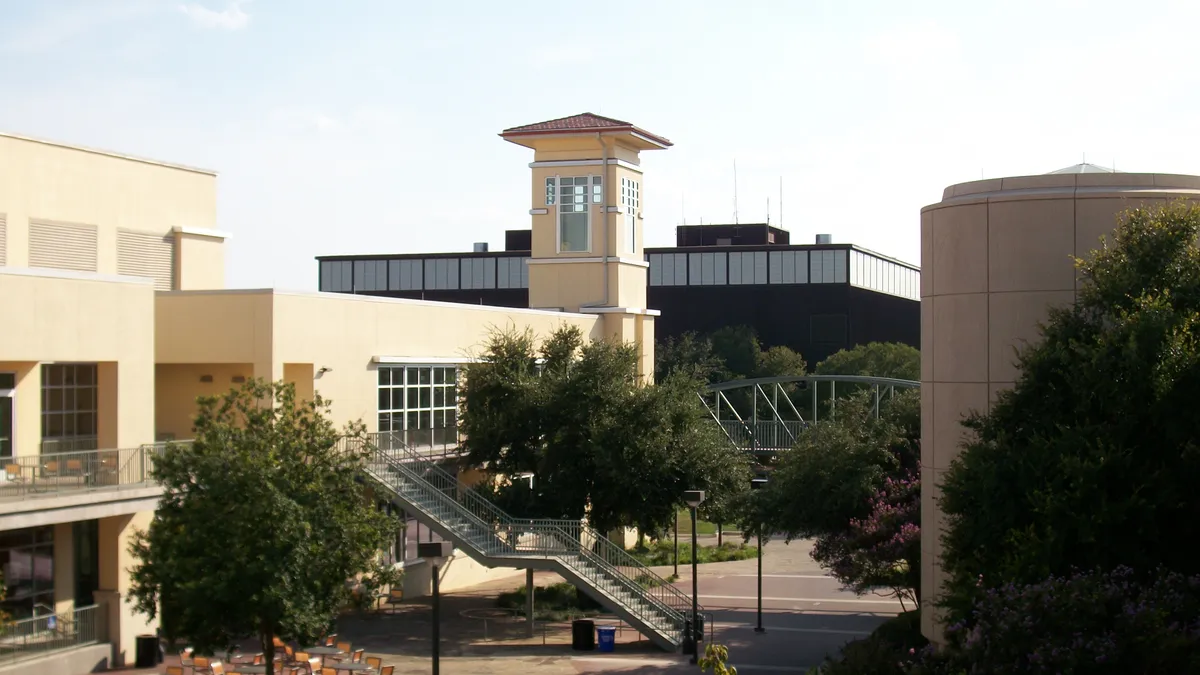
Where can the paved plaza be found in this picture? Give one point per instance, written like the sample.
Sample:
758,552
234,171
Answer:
805,614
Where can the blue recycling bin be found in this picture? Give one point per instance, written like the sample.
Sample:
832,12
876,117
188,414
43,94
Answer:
606,638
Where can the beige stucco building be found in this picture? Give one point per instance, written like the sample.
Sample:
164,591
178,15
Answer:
116,317
995,255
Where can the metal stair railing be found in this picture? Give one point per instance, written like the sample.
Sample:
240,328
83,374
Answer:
494,533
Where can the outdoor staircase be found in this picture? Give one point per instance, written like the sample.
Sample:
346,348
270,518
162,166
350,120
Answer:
493,538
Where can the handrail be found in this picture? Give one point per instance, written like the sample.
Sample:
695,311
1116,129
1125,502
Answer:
32,637
498,533
80,470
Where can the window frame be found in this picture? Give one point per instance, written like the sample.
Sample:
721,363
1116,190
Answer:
593,194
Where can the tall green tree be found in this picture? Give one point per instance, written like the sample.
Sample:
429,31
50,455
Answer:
877,359
1092,459
264,518
596,440
850,483
689,352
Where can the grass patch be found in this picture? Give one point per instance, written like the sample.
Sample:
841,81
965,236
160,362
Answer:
685,525
556,602
660,553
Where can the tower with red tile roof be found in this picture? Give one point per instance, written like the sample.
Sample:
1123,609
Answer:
586,211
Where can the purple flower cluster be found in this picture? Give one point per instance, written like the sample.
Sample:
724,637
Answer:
1093,622
880,551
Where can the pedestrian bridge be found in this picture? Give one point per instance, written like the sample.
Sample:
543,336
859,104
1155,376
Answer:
766,415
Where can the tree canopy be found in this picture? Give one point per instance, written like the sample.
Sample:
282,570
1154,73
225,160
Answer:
595,440
729,353
263,520
1092,459
877,359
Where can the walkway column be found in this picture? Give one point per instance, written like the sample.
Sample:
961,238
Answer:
122,622
529,602
64,568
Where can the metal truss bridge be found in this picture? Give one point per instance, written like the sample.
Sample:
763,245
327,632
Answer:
765,415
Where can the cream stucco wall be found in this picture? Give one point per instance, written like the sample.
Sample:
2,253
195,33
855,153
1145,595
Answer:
280,332
995,255
46,181
87,318
201,261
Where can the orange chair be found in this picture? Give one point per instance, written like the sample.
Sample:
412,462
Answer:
357,656
174,670
375,662
386,670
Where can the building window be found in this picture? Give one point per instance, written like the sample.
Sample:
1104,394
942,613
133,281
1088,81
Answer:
68,407
668,269
574,213
747,267
478,273
706,269
441,273
512,273
420,402
337,276
27,558
370,275
630,205
404,275
550,187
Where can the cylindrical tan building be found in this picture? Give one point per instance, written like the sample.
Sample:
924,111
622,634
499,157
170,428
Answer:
995,254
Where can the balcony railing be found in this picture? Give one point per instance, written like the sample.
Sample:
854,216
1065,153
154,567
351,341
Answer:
35,636
444,441
65,472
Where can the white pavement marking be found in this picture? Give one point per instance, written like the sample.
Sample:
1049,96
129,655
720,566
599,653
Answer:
743,667
785,629
832,601
633,662
781,576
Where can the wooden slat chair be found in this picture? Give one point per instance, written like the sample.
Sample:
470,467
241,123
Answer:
375,662
357,656
386,670
394,598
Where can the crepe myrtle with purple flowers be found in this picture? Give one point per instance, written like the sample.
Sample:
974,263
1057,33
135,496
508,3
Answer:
1115,622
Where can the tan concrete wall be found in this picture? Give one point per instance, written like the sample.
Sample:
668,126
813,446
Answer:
85,318
201,262
124,624
341,332
48,181
995,255
178,385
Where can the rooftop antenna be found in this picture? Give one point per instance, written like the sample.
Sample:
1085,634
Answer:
768,211
735,204
781,201
683,207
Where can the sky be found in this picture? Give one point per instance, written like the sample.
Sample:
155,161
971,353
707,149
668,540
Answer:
370,126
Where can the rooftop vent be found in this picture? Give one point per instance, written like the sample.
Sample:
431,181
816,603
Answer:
824,239
480,247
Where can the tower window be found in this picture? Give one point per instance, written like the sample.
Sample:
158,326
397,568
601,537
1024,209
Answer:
574,214
630,203
549,192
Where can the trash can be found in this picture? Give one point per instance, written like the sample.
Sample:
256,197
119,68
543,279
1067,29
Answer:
583,635
606,638
147,651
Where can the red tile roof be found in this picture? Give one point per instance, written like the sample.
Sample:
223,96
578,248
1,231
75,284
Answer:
580,122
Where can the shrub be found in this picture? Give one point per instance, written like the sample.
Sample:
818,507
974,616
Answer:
659,553
555,602
882,550
1091,622
890,649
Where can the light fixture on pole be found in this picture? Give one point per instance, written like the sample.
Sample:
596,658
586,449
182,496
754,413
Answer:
694,498
758,484
434,553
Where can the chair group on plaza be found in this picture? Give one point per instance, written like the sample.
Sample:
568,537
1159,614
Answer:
330,657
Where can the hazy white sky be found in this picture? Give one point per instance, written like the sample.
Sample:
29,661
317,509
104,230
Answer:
370,126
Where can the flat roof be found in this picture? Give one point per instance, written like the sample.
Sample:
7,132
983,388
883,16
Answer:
107,153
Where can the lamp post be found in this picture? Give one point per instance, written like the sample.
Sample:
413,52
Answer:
694,498
758,484
434,553
675,554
